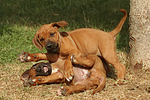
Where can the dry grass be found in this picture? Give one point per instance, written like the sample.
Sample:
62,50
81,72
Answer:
11,87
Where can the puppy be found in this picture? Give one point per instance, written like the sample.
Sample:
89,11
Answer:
84,78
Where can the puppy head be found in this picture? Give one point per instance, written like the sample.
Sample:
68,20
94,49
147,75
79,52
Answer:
40,69
48,36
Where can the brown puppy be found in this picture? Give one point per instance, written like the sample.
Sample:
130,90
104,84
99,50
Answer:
80,42
84,78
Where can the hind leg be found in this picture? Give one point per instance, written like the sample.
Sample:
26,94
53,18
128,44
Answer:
120,68
106,65
66,90
83,85
108,52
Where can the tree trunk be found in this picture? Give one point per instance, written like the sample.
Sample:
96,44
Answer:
140,33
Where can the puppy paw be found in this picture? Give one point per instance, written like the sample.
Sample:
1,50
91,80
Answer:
70,78
69,75
25,83
29,82
58,92
72,58
25,57
63,91
120,82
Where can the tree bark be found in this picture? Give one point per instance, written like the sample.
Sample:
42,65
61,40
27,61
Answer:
139,33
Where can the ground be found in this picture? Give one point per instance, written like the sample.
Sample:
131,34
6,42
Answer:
137,81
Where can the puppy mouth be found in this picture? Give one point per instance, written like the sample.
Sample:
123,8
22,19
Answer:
45,69
54,50
42,69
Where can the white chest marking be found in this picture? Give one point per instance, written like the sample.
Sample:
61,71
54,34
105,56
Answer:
54,70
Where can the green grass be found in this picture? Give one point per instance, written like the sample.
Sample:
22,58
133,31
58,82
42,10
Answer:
20,19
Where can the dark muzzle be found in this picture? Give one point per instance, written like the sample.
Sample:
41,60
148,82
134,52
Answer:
43,69
51,46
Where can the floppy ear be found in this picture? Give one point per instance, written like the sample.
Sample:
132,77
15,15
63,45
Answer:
25,75
36,42
60,24
64,34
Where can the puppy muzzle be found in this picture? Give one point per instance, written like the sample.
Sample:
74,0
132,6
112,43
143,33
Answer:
52,46
43,69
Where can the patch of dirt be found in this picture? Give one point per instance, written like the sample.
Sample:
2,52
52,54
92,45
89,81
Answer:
137,82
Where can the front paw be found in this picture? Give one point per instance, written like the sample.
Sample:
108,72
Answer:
25,57
31,82
69,75
28,82
72,58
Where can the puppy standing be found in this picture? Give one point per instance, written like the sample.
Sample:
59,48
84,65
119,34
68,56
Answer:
80,42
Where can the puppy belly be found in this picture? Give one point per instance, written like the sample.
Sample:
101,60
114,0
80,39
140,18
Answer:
80,74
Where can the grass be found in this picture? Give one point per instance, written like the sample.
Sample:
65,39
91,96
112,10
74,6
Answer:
20,19
12,89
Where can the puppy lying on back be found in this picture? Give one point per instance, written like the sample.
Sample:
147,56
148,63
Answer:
85,78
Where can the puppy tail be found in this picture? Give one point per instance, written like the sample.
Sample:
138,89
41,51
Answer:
119,27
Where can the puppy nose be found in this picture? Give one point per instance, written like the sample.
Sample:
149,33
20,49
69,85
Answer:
49,45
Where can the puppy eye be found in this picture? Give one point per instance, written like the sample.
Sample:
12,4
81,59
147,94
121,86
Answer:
52,34
34,66
42,39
